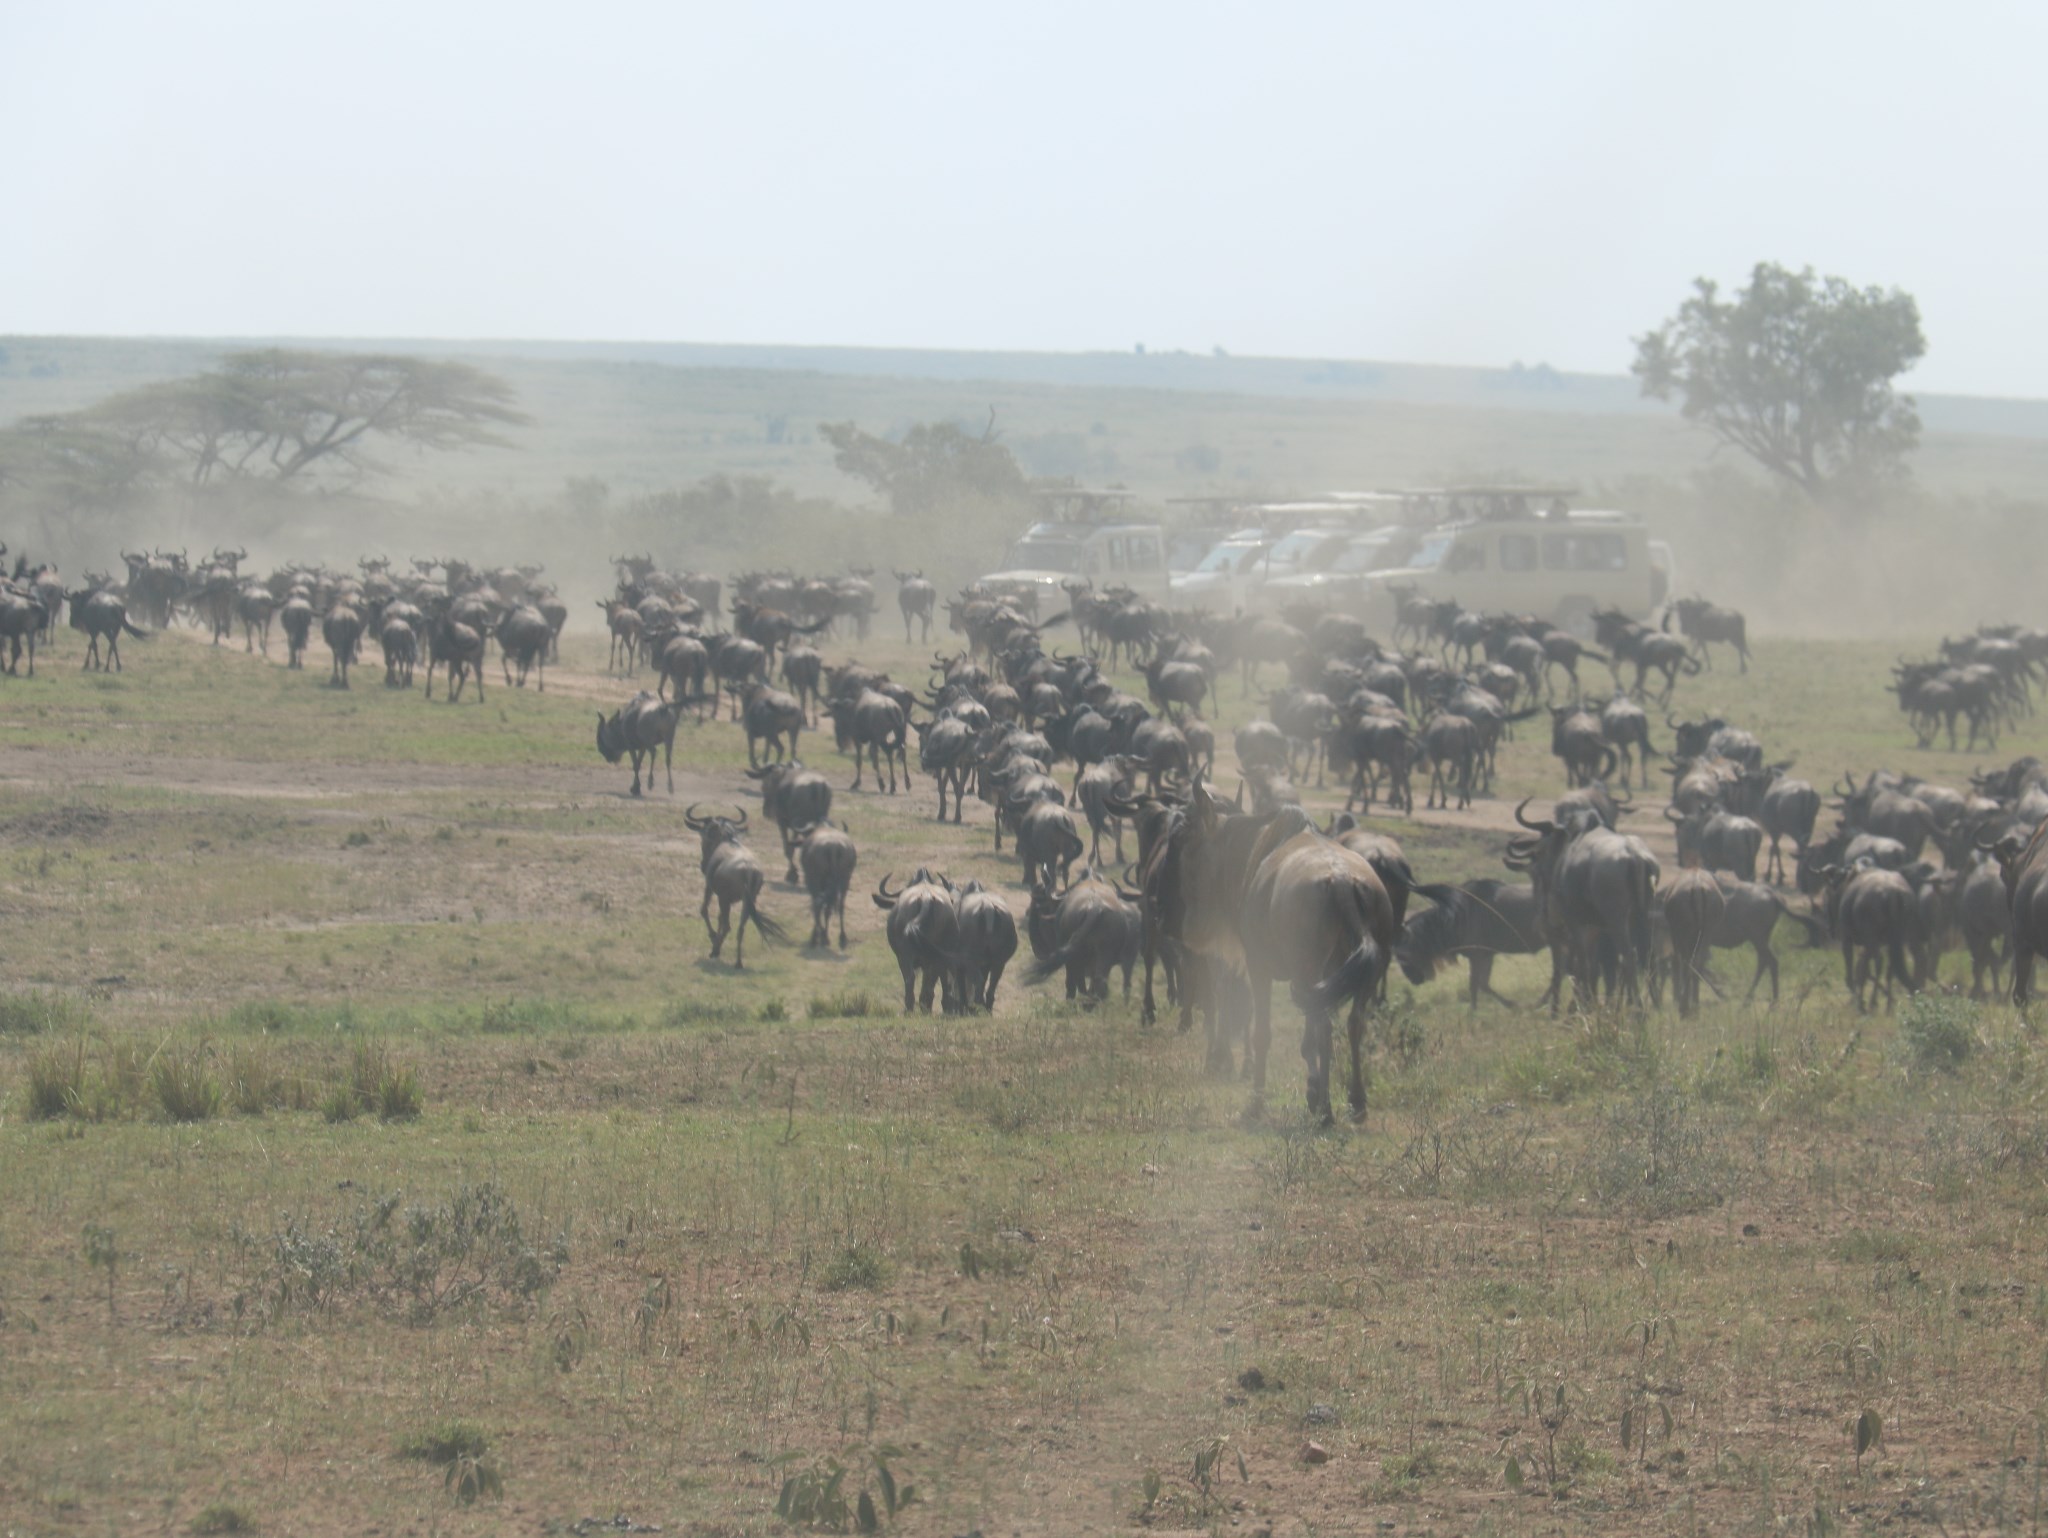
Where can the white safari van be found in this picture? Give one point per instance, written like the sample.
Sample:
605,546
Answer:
1050,554
1559,565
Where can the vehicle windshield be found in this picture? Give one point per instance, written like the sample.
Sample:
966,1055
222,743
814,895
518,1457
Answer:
1045,555
1358,557
1295,548
1225,557
1430,553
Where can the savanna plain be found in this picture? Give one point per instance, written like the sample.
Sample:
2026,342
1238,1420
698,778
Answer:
380,1152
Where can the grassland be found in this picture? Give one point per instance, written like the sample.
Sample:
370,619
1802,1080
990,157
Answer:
503,1190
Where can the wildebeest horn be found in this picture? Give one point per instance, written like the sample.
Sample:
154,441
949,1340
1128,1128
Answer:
742,820
1534,827
882,886
691,818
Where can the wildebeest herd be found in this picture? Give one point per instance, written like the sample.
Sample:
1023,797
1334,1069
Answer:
1134,862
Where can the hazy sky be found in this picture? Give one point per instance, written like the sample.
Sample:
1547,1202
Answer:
1470,183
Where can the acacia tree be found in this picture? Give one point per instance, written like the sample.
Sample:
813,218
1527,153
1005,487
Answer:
286,414
1796,372
934,465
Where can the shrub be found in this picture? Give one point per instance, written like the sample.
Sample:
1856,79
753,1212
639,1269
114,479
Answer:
32,1014
184,1088
221,1517
374,1085
444,1442
857,1268
1937,1032
1655,1155
848,1004
56,1080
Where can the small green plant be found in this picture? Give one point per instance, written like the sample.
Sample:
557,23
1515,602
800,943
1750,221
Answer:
444,1442
462,1451
220,1518
815,1497
374,1085
185,1089
33,1014
1937,1032
847,1004
857,1268
102,1253
774,1012
56,1081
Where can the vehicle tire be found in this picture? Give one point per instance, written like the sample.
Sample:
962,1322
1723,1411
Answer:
1575,616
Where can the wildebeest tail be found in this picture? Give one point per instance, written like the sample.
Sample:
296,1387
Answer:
1357,976
1061,957
129,626
1816,932
770,930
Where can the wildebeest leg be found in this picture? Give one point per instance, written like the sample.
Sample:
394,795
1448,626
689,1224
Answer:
1316,1050
1355,1030
995,977
636,770
704,913
1260,1036
1766,958
1849,973
931,985
909,986
839,902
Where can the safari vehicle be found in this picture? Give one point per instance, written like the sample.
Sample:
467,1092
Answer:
1557,563
1086,540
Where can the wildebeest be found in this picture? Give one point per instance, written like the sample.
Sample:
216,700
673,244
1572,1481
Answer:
1047,842
1872,913
771,715
101,614
829,859
924,934
1734,913
685,661
459,647
524,637
1579,741
400,646
2023,866
988,939
1479,920
1315,915
22,622
1787,809
1450,744
342,630
1701,622
945,751
1719,840
731,875
638,727
1086,931
915,597
1593,887
297,618
793,797
1985,922
1626,726
877,727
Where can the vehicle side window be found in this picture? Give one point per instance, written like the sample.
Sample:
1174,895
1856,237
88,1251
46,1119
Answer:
1143,553
1585,552
1250,559
1518,552
1464,557
1116,554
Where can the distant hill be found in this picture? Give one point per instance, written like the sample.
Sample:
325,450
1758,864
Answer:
650,414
